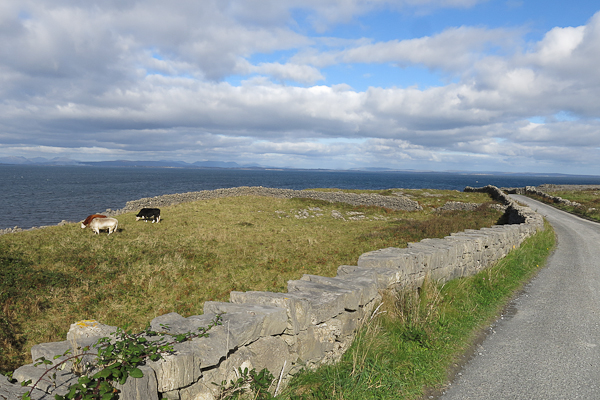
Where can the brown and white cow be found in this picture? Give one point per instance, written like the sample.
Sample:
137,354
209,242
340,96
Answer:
99,224
89,219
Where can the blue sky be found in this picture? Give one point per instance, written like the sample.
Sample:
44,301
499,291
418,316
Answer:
413,84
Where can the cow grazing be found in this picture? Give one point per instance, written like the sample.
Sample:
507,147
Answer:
99,224
147,214
89,219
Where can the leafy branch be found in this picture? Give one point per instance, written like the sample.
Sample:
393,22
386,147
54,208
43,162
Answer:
258,384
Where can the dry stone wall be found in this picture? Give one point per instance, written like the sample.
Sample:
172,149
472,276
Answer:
310,325
395,202
541,192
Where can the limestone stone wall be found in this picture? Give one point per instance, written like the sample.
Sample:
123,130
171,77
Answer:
541,192
310,325
395,202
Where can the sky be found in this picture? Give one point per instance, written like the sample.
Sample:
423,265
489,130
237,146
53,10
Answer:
439,85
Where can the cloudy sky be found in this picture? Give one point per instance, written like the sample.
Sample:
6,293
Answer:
479,85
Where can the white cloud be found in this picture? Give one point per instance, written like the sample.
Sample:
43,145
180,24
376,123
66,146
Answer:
558,44
304,74
148,80
454,49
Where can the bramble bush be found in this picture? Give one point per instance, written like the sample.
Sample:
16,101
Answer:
116,360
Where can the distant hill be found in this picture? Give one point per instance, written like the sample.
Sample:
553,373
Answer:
217,164
233,165
38,161
124,163
127,163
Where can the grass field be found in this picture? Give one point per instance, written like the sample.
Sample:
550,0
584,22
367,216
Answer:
52,277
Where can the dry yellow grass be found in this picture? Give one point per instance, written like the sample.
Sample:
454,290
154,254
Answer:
199,251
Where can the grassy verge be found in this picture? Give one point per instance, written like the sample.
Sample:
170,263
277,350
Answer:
53,277
418,338
588,198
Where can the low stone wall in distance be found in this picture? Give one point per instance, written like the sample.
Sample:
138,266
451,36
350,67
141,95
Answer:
312,324
394,202
542,193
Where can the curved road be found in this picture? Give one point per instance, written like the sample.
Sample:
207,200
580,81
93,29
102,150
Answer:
549,348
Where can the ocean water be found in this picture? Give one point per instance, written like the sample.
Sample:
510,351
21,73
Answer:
41,195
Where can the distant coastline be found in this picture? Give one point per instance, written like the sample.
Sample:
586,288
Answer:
62,161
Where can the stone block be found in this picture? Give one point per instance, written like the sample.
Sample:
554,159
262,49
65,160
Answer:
328,301
269,352
273,354
175,371
367,286
49,350
144,388
44,380
86,333
9,390
166,320
244,328
184,366
319,344
384,276
203,320
173,323
172,395
445,274
349,322
14,391
299,309
436,252
199,391
391,257
310,349
446,247
209,351
272,320
89,329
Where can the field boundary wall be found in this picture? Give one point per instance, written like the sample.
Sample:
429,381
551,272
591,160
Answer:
312,324
532,190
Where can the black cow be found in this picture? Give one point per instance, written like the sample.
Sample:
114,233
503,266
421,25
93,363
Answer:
146,214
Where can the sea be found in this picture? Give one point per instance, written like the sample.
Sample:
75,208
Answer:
33,196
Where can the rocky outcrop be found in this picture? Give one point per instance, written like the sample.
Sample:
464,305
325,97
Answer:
312,324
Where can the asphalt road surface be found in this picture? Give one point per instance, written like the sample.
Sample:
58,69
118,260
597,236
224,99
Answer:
548,346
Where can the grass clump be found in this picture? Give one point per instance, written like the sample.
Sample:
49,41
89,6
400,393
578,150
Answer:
407,350
52,277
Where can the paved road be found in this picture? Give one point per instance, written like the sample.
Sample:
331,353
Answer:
550,347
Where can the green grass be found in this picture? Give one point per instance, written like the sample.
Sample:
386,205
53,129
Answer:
407,351
53,277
